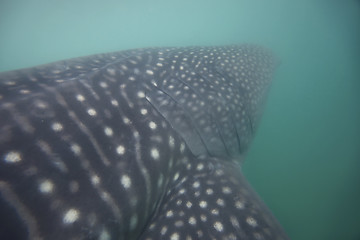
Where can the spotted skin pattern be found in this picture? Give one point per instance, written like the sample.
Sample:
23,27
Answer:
137,144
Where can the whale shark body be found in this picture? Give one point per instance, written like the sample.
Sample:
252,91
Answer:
138,144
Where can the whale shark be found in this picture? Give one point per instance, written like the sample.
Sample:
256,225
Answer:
137,144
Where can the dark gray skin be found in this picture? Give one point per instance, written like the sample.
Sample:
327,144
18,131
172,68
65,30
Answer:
138,144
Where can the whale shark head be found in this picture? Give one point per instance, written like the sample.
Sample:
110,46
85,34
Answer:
137,144
213,98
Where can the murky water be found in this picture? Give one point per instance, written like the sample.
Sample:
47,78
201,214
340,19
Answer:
305,159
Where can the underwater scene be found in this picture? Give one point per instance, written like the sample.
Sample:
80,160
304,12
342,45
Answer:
273,151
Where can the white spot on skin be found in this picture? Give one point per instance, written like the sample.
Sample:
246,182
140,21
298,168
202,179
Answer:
169,213
103,84
171,141
152,125
104,235
152,226
203,218
215,211
71,216
218,226
200,167
226,190
126,181
163,230
203,204
258,235
41,104
149,72
114,103
75,149
46,187
178,202
136,70
74,186
234,222
91,112
219,172
251,221
188,204
12,157
174,236
95,180
111,71
126,120
143,111
220,202
57,127
196,184
133,201
160,180
179,223
155,154
80,98
176,176
141,94
133,222
192,220
209,191
182,147
108,131
239,205
120,149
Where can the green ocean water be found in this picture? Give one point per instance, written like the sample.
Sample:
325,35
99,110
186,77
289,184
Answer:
305,159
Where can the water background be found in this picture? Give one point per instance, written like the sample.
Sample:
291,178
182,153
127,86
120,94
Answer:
305,159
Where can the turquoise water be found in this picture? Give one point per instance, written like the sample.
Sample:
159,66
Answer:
305,159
